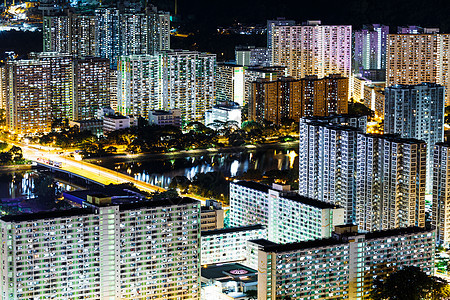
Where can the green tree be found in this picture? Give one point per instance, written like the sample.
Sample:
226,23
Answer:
2,117
3,146
409,283
16,153
45,189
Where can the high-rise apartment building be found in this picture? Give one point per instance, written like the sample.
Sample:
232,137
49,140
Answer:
28,103
52,87
3,83
70,33
416,58
113,89
252,74
253,56
230,83
274,101
108,33
159,30
441,193
140,85
370,47
327,163
56,34
190,82
288,98
390,182
416,111
313,49
107,22
170,80
343,267
92,87
288,216
61,93
105,251
270,28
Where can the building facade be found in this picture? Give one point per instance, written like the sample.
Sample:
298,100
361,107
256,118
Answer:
390,178
165,118
413,59
52,87
343,267
190,82
230,83
288,216
105,251
416,111
92,87
108,33
288,98
370,47
229,244
313,49
327,163
140,84
441,194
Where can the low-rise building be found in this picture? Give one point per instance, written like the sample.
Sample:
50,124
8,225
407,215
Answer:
113,123
212,215
228,282
288,216
104,111
228,244
342,267
95,126
222,114
165,118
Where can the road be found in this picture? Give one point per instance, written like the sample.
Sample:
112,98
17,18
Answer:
94,172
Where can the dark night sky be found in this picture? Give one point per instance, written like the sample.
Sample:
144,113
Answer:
210,13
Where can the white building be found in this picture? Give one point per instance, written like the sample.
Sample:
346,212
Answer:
190,82
288,216
212,215
228,244
390,182
441,194
327,163
165,118
230,83
343,267
140,85
175,79
222,114
105,251
416,111
113,123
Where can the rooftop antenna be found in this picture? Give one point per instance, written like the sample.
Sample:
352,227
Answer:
176,7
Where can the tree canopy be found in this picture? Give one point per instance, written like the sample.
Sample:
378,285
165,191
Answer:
410,283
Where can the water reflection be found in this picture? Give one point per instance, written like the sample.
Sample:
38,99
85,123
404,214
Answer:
160,170
21,184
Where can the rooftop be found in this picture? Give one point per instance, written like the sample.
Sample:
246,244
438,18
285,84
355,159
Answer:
308,201
287,195
395,232
253,185
47,215
116,117
232,229
269,246
394,138
222,271
158,203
